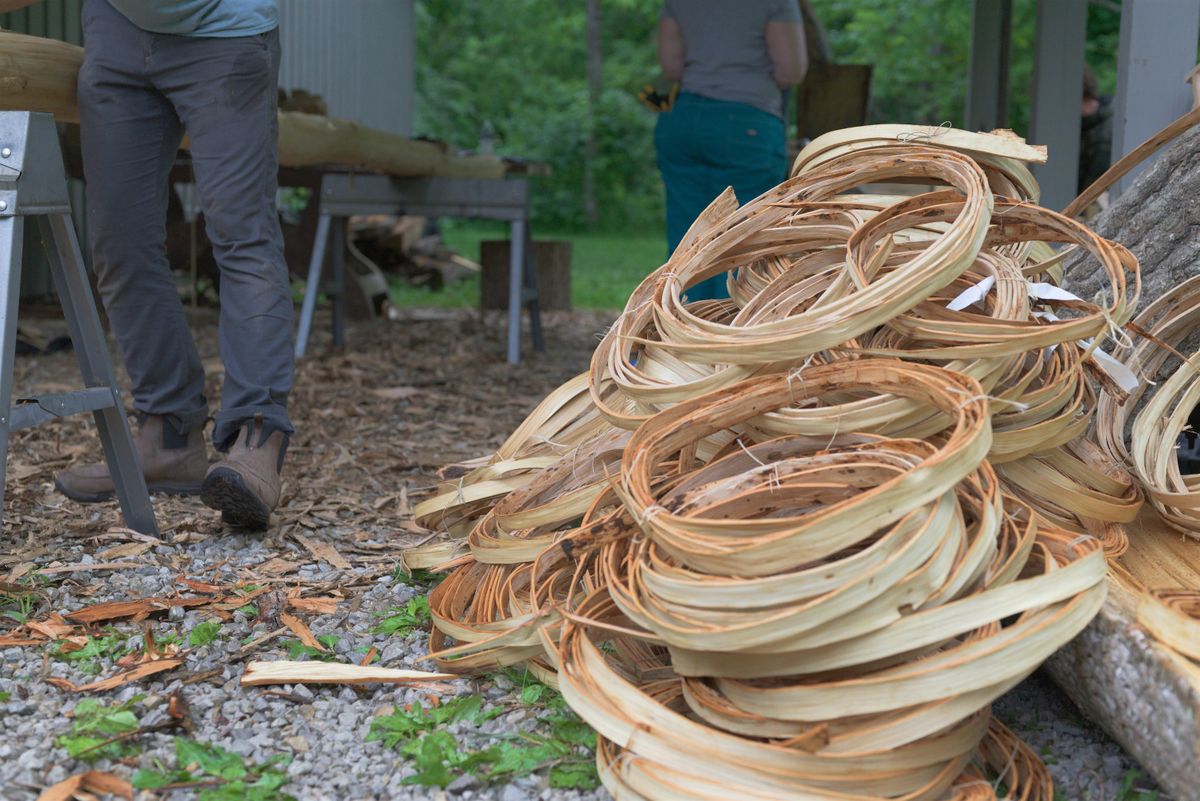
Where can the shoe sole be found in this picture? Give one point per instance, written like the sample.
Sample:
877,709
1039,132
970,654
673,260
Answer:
155,488
225,490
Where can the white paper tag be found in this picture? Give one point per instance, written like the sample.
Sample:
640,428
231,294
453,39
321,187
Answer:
1041,291
972,295
1126,379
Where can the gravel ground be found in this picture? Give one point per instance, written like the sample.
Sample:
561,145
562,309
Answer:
324,729
1085,763
373,425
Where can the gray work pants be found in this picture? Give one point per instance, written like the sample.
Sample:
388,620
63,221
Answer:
138,93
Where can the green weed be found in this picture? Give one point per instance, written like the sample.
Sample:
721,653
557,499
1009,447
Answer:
297,649
88,658
1128,792
562,743
93,725
204,634
233,779
400,622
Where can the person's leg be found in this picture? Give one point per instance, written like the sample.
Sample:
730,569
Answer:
681,141
754,157
129,135
224,91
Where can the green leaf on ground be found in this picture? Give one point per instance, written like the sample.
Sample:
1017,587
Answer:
561,743
297,649
403,621
580,775
204,634
433,755
87,659
417,578
212,759
93,725
232,778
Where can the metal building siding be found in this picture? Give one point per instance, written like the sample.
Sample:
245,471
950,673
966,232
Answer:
356,54
55,19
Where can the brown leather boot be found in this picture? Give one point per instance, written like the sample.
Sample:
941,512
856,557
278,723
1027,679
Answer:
172,463
245,485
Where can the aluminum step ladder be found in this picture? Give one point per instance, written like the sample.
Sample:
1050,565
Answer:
33,183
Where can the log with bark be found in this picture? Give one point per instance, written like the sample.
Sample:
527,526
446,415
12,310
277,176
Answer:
1157,218
38,74
1144,693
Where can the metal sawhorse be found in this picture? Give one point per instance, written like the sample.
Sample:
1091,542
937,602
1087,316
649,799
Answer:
33,183
343,194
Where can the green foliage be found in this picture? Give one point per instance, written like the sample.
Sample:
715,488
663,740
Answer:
521,67
88,658
19,601
233,779
17,605
204,634
401,622
921,54
93,725
605,268
403,725
1128,791
297,649
424,579
562,744
5,697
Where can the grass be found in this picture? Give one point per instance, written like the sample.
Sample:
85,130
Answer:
605,266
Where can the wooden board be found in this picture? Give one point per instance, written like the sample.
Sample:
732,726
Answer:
39,74
1145,695
832,97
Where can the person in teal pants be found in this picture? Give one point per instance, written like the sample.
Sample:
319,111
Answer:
735,63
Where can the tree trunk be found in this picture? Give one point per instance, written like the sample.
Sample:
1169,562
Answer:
595,81
1144,694
1158,218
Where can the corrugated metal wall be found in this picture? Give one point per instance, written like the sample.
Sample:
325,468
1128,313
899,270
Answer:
356,54
56,19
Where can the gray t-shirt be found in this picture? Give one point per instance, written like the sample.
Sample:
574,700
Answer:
217,18
725,48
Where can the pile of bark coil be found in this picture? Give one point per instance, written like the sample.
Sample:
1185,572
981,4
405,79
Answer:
793,544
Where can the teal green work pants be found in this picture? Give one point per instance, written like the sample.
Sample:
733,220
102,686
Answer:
705,146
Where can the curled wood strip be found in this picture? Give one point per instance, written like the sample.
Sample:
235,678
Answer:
799,539
1148,446
1173,618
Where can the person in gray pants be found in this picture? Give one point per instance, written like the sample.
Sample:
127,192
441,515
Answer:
152,70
